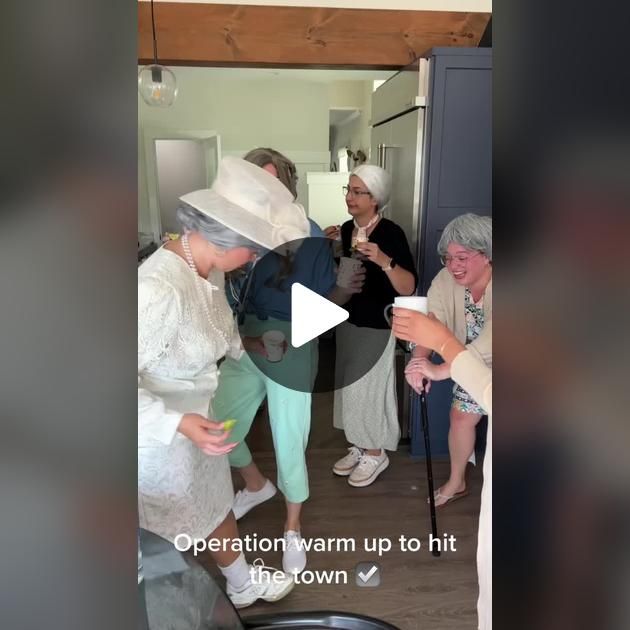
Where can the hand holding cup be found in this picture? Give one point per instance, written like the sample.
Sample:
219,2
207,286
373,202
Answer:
254,345
276,345
423,330
351,274
355,285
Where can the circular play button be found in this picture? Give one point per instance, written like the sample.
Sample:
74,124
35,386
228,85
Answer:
299,327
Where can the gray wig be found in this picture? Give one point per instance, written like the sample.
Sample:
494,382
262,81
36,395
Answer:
470,231
287,173
191,219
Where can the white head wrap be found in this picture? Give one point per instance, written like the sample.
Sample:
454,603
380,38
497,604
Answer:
377,180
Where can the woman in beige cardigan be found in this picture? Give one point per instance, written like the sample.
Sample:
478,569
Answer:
460,297
468,370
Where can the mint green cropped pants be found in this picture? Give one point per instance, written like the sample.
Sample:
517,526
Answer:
242,388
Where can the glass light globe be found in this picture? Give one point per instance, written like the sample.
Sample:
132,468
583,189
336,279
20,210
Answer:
157,85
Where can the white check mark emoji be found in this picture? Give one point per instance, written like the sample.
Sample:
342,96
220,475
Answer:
366,576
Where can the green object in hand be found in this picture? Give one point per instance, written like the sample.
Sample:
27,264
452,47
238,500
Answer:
228,425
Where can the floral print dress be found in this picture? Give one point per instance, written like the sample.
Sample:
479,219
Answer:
462,400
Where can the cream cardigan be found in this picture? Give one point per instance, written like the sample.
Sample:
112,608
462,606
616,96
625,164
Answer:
476,379
446,302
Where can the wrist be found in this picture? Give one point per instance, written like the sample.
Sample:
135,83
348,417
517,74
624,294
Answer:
444,372
183,425
439,343
450,349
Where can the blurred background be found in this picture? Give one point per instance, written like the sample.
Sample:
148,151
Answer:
69,256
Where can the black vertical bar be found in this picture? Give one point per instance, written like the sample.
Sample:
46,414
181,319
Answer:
427,448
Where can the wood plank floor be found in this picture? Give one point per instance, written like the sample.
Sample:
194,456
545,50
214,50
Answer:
417,590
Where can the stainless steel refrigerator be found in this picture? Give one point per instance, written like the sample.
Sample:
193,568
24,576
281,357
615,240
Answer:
397,143
432,131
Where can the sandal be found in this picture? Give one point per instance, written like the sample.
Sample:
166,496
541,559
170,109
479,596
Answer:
442,499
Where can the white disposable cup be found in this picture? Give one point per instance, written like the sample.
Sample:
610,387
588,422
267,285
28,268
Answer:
347,268
413,303
274,345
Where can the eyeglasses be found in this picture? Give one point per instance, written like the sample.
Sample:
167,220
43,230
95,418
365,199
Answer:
461,259
354,192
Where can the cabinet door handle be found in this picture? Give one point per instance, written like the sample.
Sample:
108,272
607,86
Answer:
384,148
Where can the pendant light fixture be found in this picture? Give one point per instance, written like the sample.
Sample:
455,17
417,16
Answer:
156,83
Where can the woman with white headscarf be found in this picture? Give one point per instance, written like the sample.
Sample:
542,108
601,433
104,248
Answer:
185,325
365,407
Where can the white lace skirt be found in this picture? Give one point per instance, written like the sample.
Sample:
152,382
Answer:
181,490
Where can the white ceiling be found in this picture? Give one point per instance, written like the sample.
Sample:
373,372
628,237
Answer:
301,74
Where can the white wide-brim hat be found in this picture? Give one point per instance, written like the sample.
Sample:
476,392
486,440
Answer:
253,203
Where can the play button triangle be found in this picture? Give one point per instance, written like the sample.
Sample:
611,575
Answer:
312,315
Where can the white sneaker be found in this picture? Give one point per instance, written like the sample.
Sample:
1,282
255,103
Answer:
368,469
346,464
294,556
245,500
268,584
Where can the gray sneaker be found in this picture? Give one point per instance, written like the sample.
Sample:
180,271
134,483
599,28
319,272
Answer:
346,464
368,469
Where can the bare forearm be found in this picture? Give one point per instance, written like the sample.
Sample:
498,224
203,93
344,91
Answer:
402,280
420,352
339,296
450,349
443,371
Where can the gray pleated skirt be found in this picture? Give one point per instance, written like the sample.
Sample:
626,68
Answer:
367,409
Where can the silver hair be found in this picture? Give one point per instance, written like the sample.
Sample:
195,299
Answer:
287,172
471,231
190,218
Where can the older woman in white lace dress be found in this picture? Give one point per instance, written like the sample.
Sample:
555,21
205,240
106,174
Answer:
185,326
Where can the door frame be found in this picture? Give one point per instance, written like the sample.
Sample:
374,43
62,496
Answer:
150,135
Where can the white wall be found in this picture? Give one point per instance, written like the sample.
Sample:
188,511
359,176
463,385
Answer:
356,132
365,127
325,198
346,94
347,135
289,115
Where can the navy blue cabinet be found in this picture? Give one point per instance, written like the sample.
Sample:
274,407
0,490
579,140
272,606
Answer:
456,178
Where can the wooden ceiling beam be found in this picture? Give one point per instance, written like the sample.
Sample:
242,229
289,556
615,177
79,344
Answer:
193,34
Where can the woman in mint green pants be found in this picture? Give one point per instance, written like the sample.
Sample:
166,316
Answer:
243,387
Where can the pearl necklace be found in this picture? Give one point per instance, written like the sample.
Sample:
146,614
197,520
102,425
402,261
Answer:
204,300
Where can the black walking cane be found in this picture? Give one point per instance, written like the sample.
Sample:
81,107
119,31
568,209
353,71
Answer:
427,442
427,449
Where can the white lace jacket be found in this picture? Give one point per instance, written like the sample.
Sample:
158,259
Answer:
177,348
